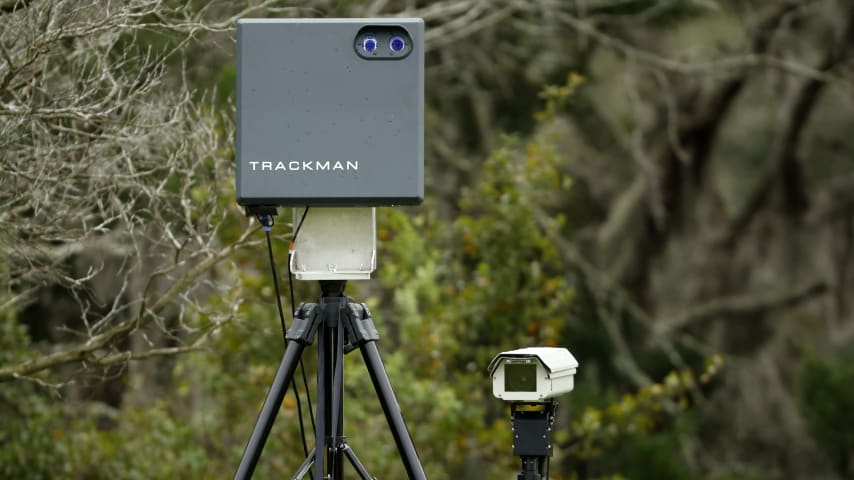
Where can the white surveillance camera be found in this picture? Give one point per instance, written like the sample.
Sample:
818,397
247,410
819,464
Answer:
532,374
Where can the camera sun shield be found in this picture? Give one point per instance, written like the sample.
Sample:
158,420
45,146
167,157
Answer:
330,112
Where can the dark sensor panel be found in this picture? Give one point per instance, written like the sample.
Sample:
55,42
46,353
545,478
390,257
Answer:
520,377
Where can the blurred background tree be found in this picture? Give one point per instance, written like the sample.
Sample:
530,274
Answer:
665,187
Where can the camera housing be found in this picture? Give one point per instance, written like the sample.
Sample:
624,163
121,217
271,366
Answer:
330,112
534,375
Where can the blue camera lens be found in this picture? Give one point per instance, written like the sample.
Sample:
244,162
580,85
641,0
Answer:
369,44
397,44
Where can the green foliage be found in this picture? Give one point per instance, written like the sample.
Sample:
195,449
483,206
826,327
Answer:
51,439
637,434
649,456
510,286
557,96
225,86
14,339
826,394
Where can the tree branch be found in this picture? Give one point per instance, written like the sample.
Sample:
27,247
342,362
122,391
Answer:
86,351
11,6
695,132
785,168
739,306
756,58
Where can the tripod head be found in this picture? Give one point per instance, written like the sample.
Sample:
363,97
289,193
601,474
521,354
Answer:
332,288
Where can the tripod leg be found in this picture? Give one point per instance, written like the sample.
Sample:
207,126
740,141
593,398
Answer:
337,420
354,460
393,415
269,411
330,373
321,432
303,469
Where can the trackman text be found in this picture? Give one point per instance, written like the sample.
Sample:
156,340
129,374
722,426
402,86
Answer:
295,166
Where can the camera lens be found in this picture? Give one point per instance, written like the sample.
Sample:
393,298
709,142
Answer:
397,44
369,44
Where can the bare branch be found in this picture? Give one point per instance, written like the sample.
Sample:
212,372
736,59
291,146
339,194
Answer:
754,304
784,165
86,351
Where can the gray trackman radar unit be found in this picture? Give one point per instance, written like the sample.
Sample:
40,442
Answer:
330,116
330,112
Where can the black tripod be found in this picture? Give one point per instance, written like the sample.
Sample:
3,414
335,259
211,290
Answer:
341,326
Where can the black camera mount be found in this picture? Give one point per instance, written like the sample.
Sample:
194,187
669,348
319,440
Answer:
532,428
